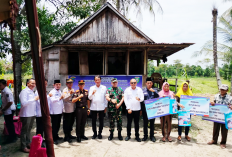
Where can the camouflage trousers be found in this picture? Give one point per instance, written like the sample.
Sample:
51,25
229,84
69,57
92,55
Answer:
115,116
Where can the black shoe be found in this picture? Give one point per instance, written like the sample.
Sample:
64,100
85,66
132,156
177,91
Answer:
144,138
99,136
72,137
84,137
138,139
127,138
55,142
59,138
67,139
110,137
94,136
153,139
78,139
120,138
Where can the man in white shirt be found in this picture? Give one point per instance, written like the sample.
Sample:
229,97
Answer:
69,116
28,100
133,95
98,104
39,120
56,109
8,109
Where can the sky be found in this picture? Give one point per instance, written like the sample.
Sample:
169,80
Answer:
183,21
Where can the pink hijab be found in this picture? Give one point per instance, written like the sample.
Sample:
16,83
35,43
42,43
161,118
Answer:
163,93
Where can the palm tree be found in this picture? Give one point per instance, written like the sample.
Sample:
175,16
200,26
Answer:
224,51
215,57
124,6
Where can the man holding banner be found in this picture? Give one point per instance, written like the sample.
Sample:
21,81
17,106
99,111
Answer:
149,93
133,96
225,99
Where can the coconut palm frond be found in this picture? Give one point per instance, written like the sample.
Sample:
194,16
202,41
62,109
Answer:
207,49
228,14
226,35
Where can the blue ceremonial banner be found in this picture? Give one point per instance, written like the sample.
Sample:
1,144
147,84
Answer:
196,105
228,120
184,118
173,106
216,113
157,107
123,81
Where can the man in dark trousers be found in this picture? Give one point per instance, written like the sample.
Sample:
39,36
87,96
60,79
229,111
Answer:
133,95
149,93
224,99
8,108
98,105
68,111
56,109
82,101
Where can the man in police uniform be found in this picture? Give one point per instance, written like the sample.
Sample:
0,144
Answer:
81,99
68,110
8,108
149,93
115,98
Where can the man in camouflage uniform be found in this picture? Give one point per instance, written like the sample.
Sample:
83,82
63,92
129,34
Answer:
115,97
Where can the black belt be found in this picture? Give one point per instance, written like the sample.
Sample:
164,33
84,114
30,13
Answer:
82,107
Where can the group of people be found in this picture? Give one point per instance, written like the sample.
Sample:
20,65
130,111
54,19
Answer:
80,103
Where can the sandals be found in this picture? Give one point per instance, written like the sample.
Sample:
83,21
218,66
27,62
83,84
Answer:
211,142
187,138
169,139
163,139
179,138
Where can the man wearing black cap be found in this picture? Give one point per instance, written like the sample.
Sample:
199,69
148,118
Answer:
82,102
68,110
149,93
56,109
115,98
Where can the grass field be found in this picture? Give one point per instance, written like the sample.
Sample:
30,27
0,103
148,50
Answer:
201,85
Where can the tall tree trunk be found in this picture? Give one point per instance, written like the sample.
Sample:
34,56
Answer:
215,58
13,56
17,71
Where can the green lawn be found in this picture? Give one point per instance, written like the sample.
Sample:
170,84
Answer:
201,85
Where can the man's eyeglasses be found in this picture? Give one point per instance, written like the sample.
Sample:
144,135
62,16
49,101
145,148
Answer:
133,82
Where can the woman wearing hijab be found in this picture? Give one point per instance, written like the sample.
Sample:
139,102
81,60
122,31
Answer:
166,119
184,90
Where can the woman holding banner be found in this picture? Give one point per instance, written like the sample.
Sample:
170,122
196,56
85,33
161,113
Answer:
166,119
184,90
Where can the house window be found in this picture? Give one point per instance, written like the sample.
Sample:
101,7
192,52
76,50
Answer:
116,63
73,63
136,63
95,63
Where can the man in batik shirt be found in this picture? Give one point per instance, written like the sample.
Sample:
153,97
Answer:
115,97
